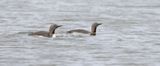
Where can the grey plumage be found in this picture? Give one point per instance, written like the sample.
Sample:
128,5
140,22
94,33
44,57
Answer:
79,31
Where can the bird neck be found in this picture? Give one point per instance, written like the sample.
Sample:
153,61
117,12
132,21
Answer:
51,32
93,30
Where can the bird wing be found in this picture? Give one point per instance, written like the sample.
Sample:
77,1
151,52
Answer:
79,31
40,33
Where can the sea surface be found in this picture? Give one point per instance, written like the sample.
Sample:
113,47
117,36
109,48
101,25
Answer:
129,35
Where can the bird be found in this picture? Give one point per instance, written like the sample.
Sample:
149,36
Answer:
49,33
91,33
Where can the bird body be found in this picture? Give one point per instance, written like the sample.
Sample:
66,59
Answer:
79,31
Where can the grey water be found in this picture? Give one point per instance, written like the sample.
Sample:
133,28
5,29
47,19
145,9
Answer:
129,36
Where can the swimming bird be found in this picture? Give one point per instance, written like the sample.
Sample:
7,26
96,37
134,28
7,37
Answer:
92,32
49,33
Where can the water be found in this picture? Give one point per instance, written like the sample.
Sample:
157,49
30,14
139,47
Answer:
129,35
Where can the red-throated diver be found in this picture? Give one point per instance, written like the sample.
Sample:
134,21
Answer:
92,32
52,29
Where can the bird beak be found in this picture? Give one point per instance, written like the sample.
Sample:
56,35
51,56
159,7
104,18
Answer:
60,25
99,23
